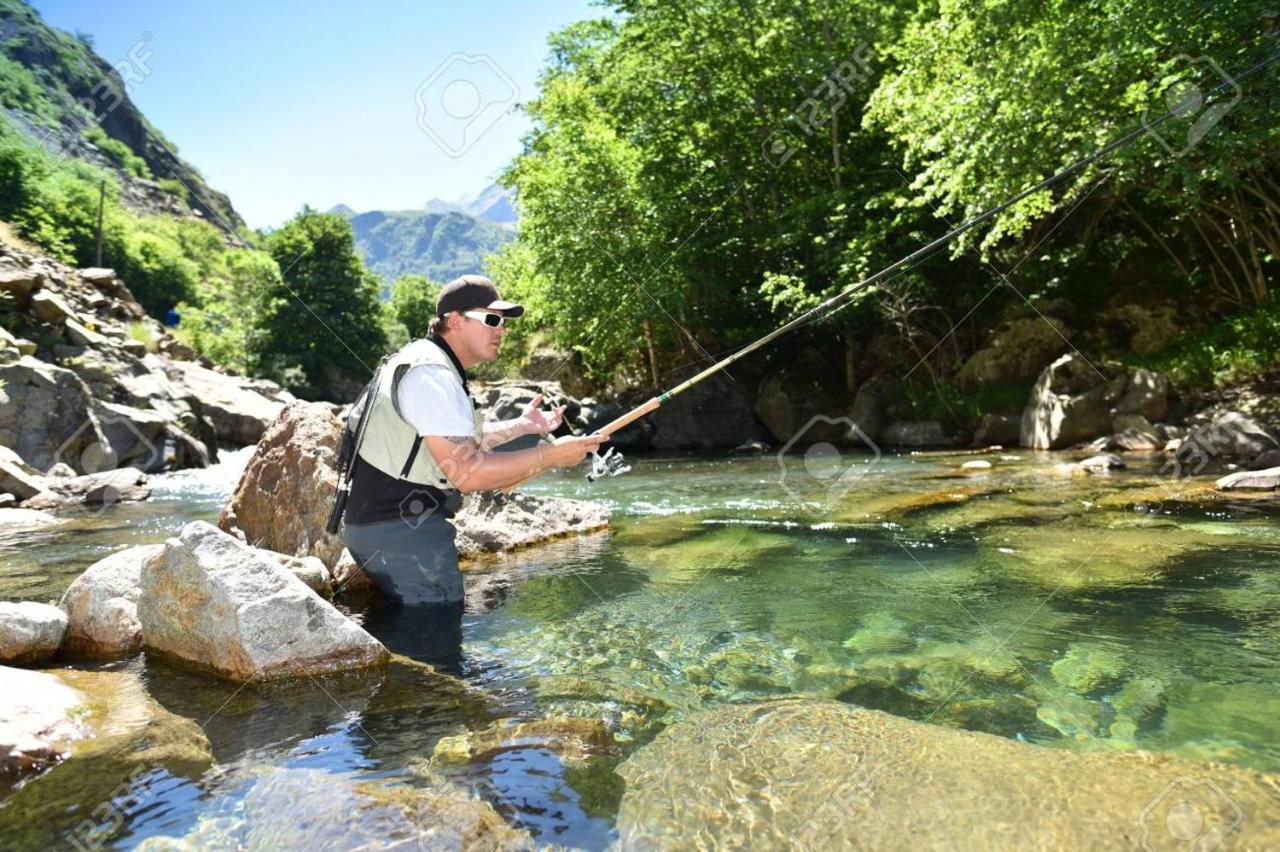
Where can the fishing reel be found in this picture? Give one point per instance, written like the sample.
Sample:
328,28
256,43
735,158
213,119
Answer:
609,464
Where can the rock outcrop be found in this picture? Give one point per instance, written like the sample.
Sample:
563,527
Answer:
210,601
494,522
819,774
1227,437
282,501
104,386
1018,352
30,632
102,605
1075,401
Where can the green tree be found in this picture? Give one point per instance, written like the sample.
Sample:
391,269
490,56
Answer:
654,214
321,332
413,303
992,96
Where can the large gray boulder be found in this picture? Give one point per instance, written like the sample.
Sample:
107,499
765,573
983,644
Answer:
813,774
1255,480
1075,401
867,409
102,605
1229,436
212,602
495,522
30,632
711,415
238,408
795,404
39,719
45,414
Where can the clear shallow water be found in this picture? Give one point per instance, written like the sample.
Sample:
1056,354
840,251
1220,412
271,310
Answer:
1019,602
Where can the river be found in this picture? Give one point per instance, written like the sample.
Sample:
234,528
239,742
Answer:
1076,612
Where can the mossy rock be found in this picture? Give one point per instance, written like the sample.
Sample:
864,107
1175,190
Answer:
880,633
1090,668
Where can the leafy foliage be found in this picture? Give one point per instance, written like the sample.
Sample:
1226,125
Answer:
413,303
321,330
703,172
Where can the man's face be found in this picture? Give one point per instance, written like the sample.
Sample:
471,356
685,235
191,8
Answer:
479,340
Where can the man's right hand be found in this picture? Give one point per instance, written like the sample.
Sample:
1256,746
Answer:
569,450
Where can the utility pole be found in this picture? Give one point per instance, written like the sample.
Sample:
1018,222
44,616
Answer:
102,201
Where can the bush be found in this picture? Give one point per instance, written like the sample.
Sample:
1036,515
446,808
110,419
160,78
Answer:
1231,350
116,151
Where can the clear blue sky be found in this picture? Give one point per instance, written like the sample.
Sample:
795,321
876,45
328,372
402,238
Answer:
281,102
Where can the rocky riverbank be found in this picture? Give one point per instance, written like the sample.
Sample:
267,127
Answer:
95,395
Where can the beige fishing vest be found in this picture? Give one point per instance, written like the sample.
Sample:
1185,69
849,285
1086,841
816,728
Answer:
389,440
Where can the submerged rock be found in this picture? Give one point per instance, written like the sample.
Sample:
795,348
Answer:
278,808
826,775
38,720
1088,668
213,602
573,738
30,632
102,605
1104,463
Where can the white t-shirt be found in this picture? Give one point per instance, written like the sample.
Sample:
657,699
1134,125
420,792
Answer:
432,400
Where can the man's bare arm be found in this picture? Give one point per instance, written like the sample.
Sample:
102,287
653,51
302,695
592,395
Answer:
471,468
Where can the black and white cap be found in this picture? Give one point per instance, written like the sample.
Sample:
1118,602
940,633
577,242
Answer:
468,292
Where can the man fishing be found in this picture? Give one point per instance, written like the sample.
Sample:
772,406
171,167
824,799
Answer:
423,444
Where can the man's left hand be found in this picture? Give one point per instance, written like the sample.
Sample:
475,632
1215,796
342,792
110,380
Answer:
539,422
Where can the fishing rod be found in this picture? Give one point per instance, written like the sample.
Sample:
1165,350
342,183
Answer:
611,463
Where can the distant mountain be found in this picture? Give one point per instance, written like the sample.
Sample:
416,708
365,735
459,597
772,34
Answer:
493,204
439,245
342,210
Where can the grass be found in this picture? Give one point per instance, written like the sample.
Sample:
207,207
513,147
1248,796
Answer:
141,332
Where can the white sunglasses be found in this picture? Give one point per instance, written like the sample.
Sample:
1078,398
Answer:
491,320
